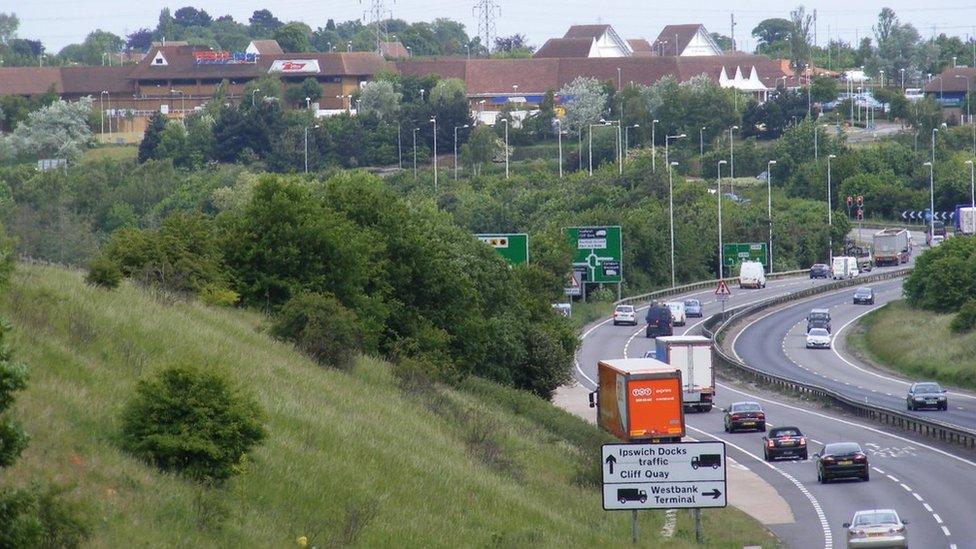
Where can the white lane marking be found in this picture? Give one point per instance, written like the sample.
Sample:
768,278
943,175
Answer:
816,441
907,489
893,479
927,507
876,374
817,508
850,423
946,531
937,518
880,472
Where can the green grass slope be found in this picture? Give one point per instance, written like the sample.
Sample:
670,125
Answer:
917,343
351,458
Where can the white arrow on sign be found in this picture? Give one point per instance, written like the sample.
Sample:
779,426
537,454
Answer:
904,214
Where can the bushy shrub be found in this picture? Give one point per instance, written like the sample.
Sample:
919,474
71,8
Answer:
192,422
38,517
103,272
216,295
965,319
944,277
321,327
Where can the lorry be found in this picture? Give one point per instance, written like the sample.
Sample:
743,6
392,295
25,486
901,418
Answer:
891,247
964,220
752,275
692,355
639,400
844,266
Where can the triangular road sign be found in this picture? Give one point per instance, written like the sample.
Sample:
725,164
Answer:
722,288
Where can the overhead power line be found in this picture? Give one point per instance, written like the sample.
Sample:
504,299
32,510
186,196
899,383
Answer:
485,11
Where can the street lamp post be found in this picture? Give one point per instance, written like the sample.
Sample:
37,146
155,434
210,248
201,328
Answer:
671,213
455,150
627,138
902,70
968,112
102,105
415,130
769,208
254,91
653,146
931,200
559,138
972,183
182,107
718,191
830,216
306,147
505,120
667,140
701,144
434,122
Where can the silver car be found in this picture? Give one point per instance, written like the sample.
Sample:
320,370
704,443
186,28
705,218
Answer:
818,338
876,528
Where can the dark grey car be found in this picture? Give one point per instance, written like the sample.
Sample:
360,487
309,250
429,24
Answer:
927,395
864,296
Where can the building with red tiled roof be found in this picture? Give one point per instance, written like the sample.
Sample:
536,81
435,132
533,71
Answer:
264,47
393,50
567,47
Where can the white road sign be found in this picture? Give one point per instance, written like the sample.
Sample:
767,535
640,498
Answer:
664,476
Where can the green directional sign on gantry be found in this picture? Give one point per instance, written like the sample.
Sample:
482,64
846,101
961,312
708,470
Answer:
513,247
597,252
734,253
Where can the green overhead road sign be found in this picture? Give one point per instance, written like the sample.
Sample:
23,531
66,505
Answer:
597,252
513,247
737,252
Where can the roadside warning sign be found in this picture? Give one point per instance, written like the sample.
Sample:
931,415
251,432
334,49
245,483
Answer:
722,291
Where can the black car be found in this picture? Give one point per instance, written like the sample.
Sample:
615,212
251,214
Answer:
659,321
864,296
744,415
818,318
927,395
842,460
784,442
820,270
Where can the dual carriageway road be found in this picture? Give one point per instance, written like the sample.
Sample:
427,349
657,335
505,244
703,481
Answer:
930,484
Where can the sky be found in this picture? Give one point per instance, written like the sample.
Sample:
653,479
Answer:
61,22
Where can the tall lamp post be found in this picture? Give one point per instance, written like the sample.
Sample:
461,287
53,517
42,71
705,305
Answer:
627,137
830,216
182,107
456,128
505,120
769,208
653,146
718,191
415,130
102,102
931,200
701,144
972,183
667,139
434,122
306,146
254,91
559,138
671,213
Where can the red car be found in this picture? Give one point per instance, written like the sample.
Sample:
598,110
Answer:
744,415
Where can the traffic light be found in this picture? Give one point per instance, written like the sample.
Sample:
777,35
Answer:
860,213
860,200
850,200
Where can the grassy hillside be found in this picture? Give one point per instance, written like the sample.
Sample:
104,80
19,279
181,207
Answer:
917,343
351,458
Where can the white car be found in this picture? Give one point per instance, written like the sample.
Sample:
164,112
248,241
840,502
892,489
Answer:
936,240
625,314
876,528
818,338
677,312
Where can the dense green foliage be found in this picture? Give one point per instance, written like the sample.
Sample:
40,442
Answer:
944,277
192,422
322,328
104,272
965,319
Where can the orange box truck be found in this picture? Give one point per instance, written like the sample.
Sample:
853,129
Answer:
639,400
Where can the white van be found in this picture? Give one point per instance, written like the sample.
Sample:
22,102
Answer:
844,267
677,312
752,275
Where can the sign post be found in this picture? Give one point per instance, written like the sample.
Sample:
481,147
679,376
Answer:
722,293
513,247
681,475
597,255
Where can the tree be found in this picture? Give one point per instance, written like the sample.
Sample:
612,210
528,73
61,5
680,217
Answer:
515,44
8,26
480,148
380,98
309,88
150,139
449,105
823,89
800,24
293,37
140,40
165,26
263,23
772,31
723,42
191,17
172,144
321,327
584,100
59,130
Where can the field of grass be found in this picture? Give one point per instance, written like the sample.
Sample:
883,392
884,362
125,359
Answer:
918,344
353,458
113,152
